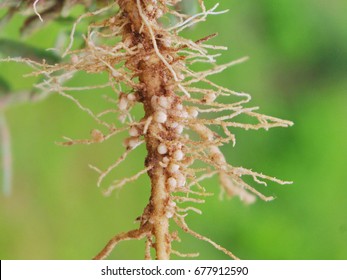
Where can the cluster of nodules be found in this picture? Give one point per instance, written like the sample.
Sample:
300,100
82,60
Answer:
170,115
125,103
170,112
153,9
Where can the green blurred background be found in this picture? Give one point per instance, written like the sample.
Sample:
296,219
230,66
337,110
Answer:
297,71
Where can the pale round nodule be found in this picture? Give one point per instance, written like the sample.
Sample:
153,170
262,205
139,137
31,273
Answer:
169,215
167,42
162,149
178,155
159,13
166,160
133,131
131,97
180,179
173,124
123,104
179,107
172,204
173,167
133,141
193,112
184,114
172,183
210,97
150,8
179,129
163,102
180,76
160,117
154,101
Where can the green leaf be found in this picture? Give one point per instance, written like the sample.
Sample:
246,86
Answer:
4,86
9,48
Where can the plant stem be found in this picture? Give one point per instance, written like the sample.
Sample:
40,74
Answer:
159,200
154,78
